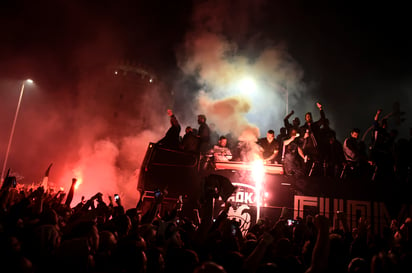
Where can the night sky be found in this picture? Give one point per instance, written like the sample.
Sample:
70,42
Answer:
353,58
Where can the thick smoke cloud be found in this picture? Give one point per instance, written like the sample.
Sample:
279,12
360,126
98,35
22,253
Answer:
228,113
96,127
97,130
116,119
90,123
221,66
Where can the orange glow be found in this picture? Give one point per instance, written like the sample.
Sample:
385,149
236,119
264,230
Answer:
79,181
78,174
95,176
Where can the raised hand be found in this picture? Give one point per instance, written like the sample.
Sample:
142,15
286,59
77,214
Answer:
322,223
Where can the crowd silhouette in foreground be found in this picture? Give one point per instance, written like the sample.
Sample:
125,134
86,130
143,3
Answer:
42,231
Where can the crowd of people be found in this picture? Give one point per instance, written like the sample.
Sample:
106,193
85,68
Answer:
41,231
311,148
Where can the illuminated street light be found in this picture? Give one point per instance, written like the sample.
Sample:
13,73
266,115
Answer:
28,81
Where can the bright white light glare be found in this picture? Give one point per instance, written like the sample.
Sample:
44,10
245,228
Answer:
78,174
247,85
266,195
258,173
29,81
78,182
151,80
115,72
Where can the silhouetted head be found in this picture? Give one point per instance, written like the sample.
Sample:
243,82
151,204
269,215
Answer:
173,121
222,141
355,133
296,122
270,135
358,265
209,267
308,117
201,119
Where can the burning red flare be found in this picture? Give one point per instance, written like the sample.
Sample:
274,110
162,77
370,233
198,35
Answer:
258,173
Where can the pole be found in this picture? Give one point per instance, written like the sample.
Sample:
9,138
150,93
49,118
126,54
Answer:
287,99
12,133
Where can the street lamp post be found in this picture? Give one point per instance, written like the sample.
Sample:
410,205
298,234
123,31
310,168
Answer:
285,89
29,81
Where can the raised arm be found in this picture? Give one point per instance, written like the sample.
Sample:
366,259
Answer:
321,250
253,261
322,113
376,118
71,193
286,119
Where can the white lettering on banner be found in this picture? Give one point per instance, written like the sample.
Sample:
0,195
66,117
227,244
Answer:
301,202
376,213
241,215
324,206
242,197
383,213
356,209
245,194
338,205
248,197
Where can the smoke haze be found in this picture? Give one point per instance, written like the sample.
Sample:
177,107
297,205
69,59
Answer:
220,66
234,61
89,122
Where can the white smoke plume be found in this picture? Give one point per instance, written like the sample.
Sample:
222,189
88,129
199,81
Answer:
92,124
91,127
223,63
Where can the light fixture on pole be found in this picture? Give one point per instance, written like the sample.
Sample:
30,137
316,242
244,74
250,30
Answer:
28,81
